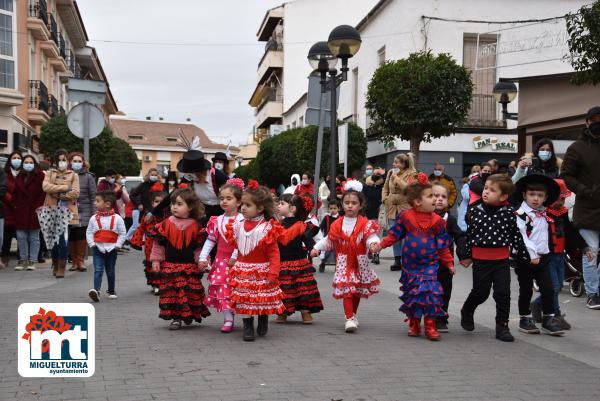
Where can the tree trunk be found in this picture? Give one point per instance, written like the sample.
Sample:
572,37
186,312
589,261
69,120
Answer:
416,136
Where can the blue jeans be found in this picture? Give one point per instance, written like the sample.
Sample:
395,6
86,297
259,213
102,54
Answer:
105,262
60,250
556,265
591,270
28,242
135,221
398,245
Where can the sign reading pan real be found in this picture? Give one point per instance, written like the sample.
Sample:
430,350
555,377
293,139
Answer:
496,145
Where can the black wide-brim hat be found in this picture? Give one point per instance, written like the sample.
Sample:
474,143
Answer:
551,185
220,156
192,162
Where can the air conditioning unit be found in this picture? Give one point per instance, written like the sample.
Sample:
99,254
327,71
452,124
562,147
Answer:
147,158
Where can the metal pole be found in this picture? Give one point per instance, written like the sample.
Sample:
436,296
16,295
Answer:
319,151
86,130
333,142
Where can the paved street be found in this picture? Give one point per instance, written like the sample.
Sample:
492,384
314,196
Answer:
139,359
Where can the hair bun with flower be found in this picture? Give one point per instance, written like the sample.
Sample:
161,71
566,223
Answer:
353,185
420,179
253,184
238,182
307,202
157,187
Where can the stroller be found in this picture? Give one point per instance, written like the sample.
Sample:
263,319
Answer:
574,273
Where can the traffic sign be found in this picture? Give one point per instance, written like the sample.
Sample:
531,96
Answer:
76,120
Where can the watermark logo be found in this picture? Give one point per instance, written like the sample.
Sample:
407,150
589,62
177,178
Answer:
56,340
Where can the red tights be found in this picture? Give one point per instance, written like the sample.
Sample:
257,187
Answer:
351,305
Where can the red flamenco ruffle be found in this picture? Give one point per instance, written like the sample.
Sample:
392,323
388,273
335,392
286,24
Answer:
179,268
296,267
291,233
275,310
271,237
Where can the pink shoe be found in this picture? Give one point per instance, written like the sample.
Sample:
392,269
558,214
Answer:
227,326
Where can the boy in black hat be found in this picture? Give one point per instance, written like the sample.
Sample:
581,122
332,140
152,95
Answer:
538,192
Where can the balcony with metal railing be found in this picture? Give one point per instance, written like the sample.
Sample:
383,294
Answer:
484,112
38,102
37,19
270,109
53,28
271,60
62,46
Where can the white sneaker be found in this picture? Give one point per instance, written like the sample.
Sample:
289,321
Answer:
350,326
30,266
94,295
355,318
112,296
156,291
20,265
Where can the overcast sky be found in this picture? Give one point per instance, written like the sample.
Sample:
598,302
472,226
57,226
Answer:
209,84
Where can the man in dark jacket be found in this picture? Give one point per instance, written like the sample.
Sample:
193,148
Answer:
580,171
374,180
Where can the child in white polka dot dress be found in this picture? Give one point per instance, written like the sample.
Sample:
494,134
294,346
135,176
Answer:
230,196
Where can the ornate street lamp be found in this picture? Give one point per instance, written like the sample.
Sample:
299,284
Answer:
505,92
344,42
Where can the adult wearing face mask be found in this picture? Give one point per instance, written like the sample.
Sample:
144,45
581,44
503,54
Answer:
221,163
11,170
86,207
109,183
394,197
140,197
543,161
373,185
440,176
306,186
580,170
294,182
27,196
61,185
477,183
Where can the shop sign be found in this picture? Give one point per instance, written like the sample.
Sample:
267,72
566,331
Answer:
496,144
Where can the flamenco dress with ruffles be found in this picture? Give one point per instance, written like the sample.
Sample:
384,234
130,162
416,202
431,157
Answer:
177,246
351,237
426,243
219,288
252,292
143,237
296,278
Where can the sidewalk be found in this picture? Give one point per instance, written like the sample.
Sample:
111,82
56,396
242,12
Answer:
138,358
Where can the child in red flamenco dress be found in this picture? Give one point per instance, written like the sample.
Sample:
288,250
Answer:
143,237
296,278
175,255
426,244
351,237
219,290
254,277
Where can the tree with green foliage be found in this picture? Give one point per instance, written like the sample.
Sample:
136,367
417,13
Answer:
294,151
106,151
583,28
418,99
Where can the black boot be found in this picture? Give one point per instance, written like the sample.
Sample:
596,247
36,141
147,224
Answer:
397,264
466,320
263,325
248,328
375,258
503,333
322,266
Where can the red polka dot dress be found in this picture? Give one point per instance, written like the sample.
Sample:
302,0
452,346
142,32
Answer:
426,243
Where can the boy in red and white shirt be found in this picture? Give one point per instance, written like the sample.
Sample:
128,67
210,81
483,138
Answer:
105,234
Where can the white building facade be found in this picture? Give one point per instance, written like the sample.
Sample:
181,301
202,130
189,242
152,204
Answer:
288,32
489,37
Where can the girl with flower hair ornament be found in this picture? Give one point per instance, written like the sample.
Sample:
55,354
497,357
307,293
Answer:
351,237
426,244
254,276
296,278
219,290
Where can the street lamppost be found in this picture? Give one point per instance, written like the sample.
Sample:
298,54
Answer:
505,92
344,42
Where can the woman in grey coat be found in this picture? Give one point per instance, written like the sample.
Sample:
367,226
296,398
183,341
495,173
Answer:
86,207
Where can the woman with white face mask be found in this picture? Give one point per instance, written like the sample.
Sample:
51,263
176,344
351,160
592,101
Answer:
141,197
61,185
11,170
86,208
542,161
